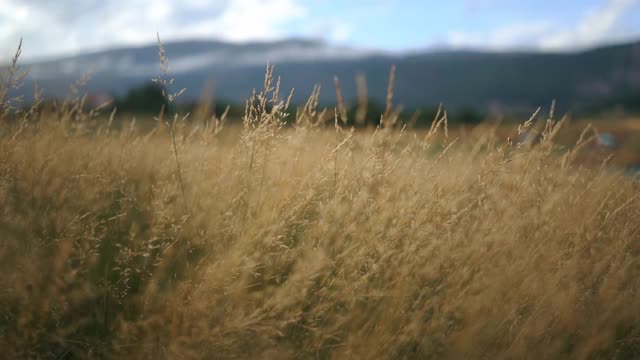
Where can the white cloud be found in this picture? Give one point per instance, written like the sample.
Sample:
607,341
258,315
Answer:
9,29
198,4
68,26
506,36
248,20
160,10
596,25
341,32
334,30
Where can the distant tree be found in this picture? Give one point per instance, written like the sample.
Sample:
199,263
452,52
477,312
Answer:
467,116
374,111
147,98
426,117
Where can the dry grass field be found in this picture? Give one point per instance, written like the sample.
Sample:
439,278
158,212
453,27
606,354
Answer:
195,240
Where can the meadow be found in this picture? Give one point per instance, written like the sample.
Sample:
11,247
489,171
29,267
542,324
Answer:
193,238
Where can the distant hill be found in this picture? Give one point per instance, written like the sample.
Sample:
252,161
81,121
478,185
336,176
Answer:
509,81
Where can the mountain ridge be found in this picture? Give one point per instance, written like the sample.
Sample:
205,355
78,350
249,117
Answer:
482,80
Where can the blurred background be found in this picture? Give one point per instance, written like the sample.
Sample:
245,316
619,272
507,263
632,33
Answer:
478,58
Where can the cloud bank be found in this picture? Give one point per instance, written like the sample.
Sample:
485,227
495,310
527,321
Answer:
68,26
595,26
62,27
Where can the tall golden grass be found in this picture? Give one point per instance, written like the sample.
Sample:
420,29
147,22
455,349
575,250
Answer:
193,240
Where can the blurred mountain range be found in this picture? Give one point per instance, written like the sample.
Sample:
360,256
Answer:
499,81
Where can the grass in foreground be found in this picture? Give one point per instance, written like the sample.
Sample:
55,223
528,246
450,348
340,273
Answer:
304,242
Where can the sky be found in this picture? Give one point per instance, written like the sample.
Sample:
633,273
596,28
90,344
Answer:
51,28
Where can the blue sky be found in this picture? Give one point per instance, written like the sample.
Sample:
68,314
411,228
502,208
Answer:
52,28
411,24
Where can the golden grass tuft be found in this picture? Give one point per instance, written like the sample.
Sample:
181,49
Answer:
305,241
